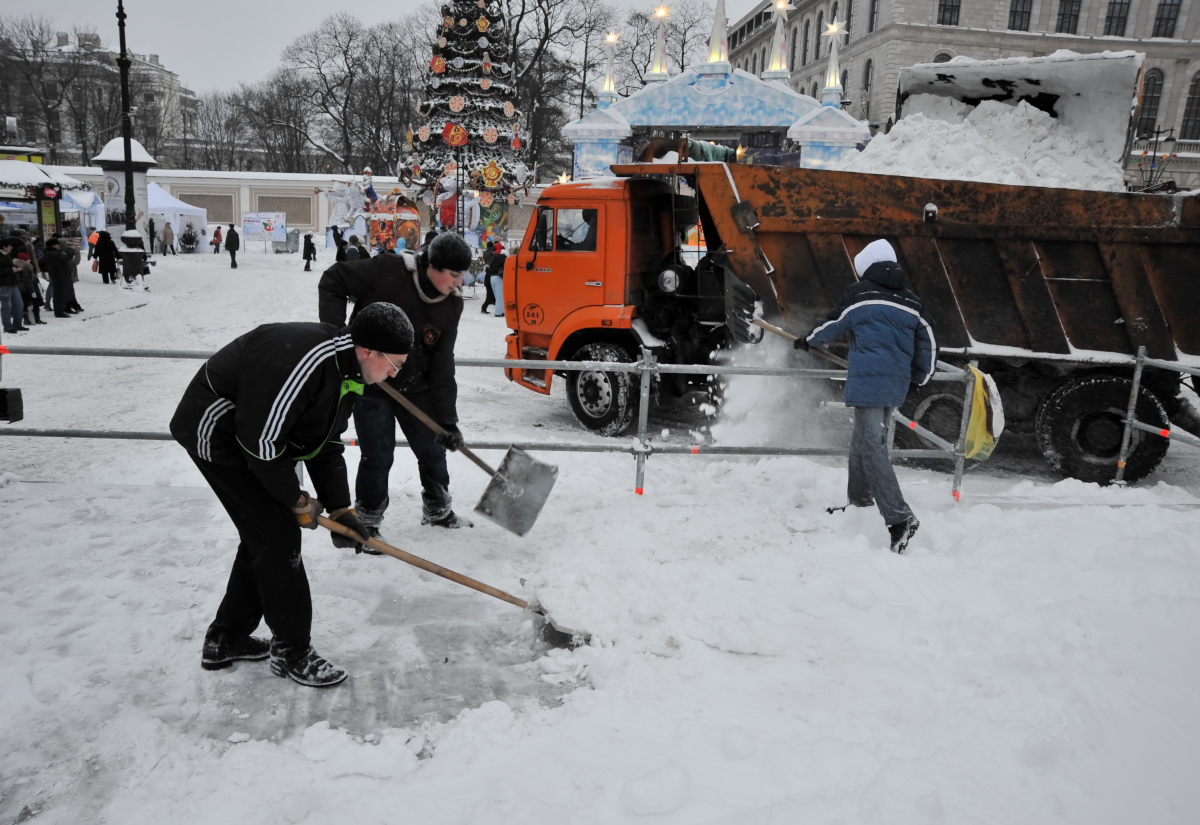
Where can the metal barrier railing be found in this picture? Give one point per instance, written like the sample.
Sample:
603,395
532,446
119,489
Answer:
647,367
1130,421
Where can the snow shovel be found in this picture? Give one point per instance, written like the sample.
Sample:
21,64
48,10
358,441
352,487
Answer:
553,634
787,336
517,492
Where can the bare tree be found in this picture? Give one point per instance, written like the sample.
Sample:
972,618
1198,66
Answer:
688,30
596,18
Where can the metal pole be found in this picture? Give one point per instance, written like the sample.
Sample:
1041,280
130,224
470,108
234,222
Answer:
646,368
1127,435
960,450
123,62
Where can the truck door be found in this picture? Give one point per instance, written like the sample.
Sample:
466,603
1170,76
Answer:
563,271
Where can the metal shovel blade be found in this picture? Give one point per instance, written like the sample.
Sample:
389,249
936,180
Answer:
518,491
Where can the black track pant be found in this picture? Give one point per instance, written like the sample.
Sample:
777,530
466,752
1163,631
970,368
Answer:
268,579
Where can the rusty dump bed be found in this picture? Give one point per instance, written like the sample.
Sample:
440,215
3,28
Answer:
1017,271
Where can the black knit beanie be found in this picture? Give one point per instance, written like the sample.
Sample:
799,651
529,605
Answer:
383,327
448,251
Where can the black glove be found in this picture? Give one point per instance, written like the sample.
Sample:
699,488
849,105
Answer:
801,343
451,439
349,518
307,510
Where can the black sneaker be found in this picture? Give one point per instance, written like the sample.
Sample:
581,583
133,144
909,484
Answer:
305,667
902,532
450,520
372,531
220,651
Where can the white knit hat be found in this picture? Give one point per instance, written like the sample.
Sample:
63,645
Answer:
873,253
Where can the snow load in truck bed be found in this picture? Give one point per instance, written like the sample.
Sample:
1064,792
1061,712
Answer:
994,142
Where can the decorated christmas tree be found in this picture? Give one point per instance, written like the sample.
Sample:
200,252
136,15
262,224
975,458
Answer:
471,132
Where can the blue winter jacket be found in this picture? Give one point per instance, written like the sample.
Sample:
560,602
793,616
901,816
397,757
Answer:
892,343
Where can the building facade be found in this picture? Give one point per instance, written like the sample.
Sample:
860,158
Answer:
885,36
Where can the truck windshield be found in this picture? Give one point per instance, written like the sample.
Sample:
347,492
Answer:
576,230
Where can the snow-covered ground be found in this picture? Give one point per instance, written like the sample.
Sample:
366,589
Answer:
1033,658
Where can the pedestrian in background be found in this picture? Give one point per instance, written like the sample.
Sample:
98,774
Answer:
58,264
489,297
106,257
892,345
310,252
352,249
495,277
216,240
12,306
232,244
168,239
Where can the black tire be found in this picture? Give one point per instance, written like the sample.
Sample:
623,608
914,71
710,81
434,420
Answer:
1079,428
937,406
604,402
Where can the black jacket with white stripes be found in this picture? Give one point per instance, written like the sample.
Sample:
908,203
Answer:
279,394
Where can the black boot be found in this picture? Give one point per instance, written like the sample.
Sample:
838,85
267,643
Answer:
221,651
305,666
902,532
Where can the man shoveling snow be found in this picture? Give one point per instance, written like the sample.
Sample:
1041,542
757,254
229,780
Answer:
892,344
279,394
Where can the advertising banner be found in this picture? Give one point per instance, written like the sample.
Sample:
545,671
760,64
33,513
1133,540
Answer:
264,226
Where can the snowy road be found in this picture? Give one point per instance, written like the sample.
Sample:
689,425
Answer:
1032,659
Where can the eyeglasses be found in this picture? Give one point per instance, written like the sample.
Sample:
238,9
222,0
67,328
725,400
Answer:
389,360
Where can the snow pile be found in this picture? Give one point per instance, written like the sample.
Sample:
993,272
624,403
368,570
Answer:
994,142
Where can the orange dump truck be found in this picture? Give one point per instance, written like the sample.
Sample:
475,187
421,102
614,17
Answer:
1052,290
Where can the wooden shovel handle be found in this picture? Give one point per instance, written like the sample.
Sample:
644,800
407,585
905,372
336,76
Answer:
787,336
437,428
427,566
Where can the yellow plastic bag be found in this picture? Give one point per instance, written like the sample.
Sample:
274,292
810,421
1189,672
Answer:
987,418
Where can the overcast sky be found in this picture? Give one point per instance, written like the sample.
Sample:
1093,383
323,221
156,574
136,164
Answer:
219,43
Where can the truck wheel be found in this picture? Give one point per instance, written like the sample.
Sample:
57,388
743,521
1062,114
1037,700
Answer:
602,401
1079,428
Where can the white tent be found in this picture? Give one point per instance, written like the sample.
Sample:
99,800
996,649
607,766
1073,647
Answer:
164,209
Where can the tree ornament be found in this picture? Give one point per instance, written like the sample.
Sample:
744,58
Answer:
454,135
487,63
512,199
462,21
416,170
423,133
509,109
438,66
458,62
490,134
482,24
447,21
457,103
480,3
408,136
491,174
441,42
485,83
516,140
486,199
451,167
435,82
483,42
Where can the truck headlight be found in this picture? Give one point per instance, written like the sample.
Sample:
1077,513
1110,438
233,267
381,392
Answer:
668,280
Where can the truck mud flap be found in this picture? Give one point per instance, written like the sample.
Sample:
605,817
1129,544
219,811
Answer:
742,304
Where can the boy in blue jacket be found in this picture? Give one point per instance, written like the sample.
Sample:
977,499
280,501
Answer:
892,344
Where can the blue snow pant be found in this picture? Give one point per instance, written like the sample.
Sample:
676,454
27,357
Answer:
498,291
872,478
375,422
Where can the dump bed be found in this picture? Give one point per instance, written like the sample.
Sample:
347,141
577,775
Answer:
1016,271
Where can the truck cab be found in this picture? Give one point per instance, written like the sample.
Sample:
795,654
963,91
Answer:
596,278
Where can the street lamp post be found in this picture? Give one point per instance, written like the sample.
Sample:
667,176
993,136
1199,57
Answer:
131,256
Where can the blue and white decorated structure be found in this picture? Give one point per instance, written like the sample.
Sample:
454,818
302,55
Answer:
714,101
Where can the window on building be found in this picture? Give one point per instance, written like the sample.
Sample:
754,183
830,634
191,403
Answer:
941,57
814,91
754,64
1191,114
849,17
804,46
868,78
1114,20
792,52
148,98
1164,21
763,62
873,16
1068,16
833,13
948,12
1151,95
1018,15
845,79
817,39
